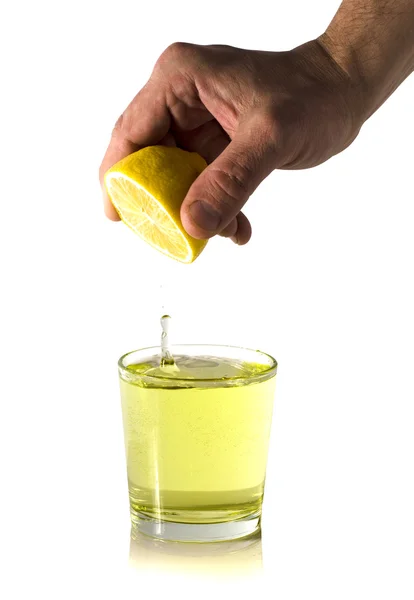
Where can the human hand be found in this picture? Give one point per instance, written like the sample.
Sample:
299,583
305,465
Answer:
247,113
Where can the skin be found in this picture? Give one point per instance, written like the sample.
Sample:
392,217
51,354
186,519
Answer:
250,112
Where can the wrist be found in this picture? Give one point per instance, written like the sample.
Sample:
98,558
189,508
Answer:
341,90
360,98
372,43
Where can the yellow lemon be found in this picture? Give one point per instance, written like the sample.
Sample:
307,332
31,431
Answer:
147,189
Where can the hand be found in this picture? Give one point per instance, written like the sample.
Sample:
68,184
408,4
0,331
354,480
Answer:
247,113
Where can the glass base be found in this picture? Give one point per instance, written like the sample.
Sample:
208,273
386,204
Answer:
194,532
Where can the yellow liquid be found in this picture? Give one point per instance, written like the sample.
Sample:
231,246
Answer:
196,454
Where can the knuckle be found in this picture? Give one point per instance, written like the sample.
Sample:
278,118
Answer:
271,126
119,126
176,53
283,126
232,183
178,48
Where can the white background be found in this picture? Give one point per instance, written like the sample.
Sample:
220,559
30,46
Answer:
325,285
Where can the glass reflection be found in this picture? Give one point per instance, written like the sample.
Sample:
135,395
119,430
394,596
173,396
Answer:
238,557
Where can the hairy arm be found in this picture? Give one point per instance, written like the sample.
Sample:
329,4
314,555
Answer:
373,42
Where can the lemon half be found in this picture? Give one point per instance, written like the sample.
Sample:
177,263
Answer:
147,189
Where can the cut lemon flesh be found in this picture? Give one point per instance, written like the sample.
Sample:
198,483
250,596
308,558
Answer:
147,189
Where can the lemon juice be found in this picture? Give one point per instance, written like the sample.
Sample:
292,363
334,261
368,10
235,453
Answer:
196,438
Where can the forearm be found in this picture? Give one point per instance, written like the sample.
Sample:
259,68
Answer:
373,42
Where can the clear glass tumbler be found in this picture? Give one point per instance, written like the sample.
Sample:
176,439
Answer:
196,440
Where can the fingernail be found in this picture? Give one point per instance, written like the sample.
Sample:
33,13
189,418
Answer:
204,215
234,239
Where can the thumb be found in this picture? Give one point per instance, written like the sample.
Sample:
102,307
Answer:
221,190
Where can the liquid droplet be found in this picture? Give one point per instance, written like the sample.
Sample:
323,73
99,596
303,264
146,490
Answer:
166,356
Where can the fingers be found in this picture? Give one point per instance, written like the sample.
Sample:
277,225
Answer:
230,230
239,230
139,126
209,140
244,230
216,197
168,140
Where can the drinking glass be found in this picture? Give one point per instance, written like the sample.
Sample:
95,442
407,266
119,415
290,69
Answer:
197,440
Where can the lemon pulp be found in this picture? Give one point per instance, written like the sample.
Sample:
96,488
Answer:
147,189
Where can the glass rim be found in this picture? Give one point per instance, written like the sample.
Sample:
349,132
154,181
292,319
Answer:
156,350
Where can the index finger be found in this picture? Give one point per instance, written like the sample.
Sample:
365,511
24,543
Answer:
145,122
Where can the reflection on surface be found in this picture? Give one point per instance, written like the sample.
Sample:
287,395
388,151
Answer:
238,557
